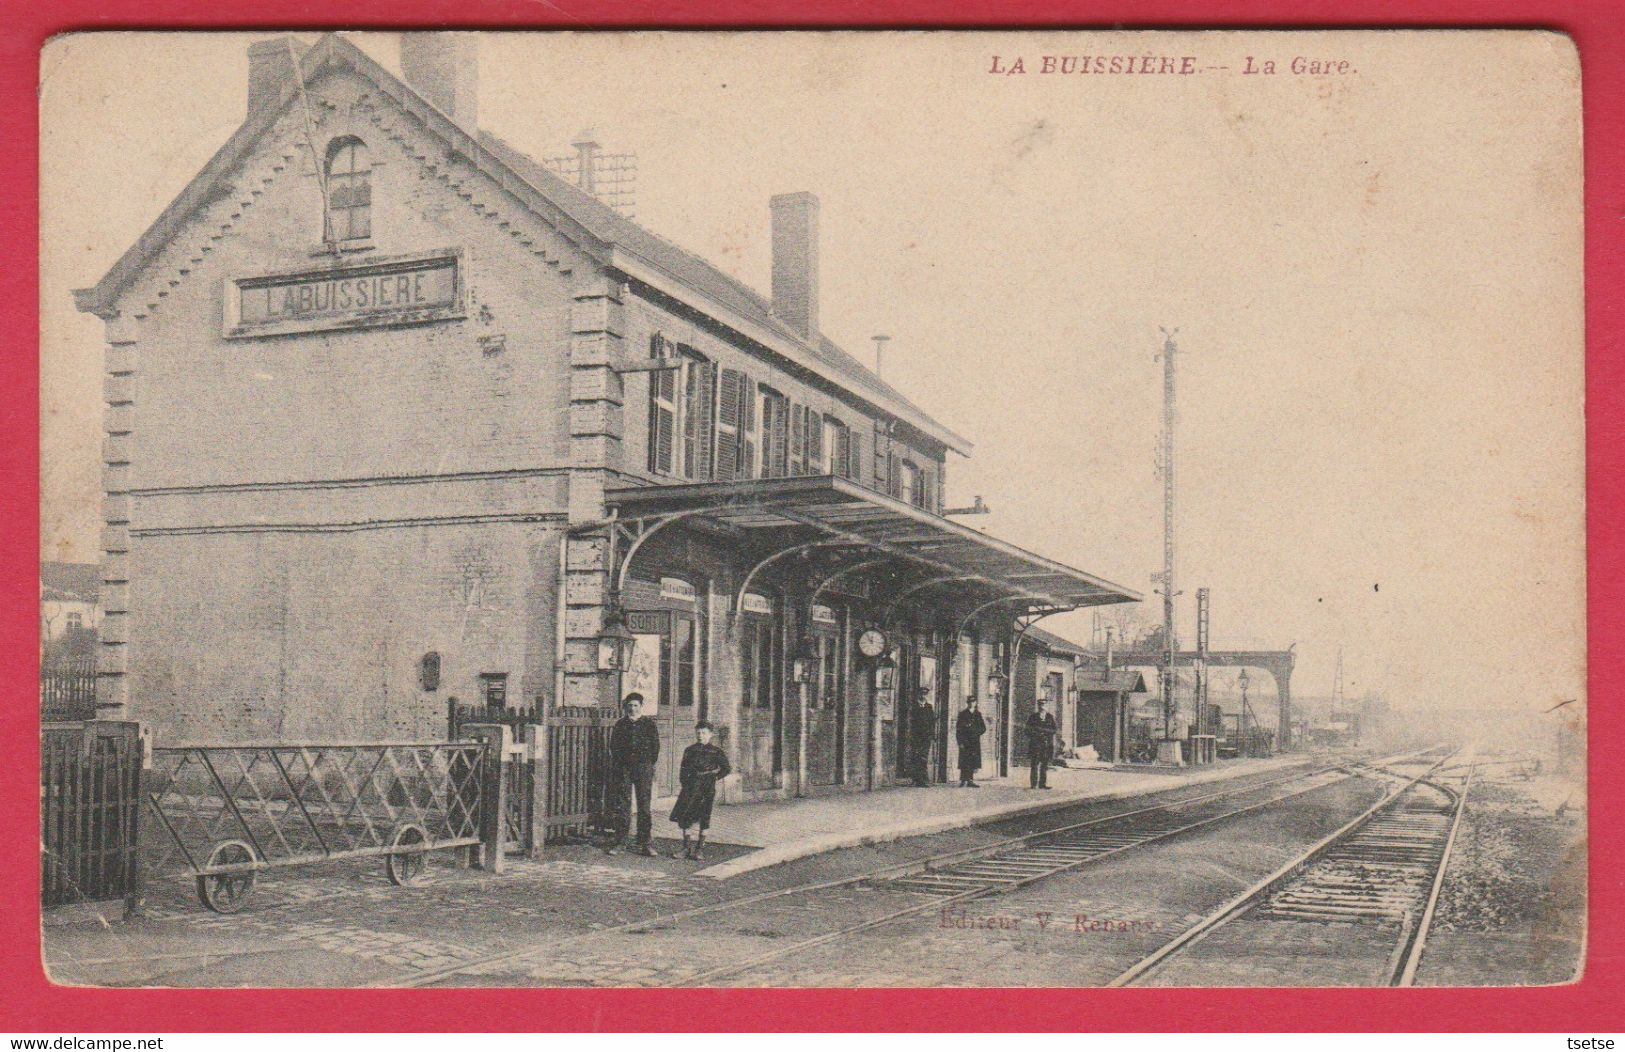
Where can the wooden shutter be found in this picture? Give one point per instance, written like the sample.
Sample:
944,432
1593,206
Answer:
747,427
798,439
854,460
894,474
730,417
662,412
883,472
775,435
840,458
815,443
699,423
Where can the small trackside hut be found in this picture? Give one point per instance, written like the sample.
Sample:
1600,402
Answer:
400,423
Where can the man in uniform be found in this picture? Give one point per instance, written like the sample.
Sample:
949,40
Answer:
634,746
1041,731
922,729
968,730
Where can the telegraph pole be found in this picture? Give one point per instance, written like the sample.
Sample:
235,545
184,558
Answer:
1170,645
1202,640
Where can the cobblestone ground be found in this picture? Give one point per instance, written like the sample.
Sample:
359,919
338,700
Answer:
1075,929
343,924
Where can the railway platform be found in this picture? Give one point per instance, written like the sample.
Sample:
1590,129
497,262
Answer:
784,830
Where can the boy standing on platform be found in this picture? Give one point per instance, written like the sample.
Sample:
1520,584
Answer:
703,766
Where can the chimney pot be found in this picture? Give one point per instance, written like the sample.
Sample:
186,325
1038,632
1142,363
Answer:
795,261
444,68
270,72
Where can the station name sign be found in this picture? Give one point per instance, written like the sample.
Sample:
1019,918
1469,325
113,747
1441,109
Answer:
399,290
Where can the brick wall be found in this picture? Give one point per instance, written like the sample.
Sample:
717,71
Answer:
294,520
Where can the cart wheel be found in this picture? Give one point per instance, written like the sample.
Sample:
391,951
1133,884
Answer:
227,892
407,855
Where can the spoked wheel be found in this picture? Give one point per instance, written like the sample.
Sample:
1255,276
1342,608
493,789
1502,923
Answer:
227,892
408,855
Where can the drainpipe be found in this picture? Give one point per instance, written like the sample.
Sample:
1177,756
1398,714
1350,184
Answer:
558,622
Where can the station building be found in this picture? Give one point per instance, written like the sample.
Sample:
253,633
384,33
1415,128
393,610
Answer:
396,414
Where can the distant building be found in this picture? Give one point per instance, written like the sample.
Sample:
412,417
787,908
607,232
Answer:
69,600
1046,667
1106,701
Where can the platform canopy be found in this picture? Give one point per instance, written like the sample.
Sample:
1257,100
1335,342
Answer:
783,513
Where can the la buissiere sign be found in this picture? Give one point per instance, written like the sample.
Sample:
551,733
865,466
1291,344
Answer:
399,290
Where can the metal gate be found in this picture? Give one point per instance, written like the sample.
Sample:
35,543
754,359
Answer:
577,765
90,793
222,813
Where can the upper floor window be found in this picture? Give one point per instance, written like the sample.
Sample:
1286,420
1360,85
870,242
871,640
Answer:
682,413
912,484
698,378
775,434
838,456
349,191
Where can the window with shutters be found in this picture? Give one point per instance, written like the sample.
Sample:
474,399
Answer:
349,191
699,421
837,459
854,455
775,434
910,484
662,412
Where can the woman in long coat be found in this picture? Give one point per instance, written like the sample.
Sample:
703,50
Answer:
968,729
703,766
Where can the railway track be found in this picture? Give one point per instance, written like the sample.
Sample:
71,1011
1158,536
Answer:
1369,890
756,930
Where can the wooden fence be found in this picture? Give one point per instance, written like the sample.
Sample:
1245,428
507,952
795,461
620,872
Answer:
90,798
67,689
576,766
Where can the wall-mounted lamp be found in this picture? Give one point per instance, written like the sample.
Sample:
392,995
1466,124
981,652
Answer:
616,644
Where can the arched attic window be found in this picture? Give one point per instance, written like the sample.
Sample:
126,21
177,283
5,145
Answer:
349,191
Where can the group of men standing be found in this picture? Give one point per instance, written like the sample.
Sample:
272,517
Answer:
969,727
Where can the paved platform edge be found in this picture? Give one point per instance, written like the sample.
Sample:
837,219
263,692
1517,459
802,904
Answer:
766,857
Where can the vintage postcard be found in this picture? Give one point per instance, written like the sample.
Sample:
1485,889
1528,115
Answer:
917,509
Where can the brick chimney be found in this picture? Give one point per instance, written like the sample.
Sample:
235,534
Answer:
444,68
270,72
795,261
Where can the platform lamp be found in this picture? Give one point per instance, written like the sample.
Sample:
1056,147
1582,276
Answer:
616,647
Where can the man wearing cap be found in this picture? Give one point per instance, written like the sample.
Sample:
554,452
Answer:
922,731
1041,731
634,746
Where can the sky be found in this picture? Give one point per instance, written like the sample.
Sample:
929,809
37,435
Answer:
1373,277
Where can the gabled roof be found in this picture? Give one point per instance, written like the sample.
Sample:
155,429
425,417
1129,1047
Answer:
1054,643
70,582
615,241
1115,680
